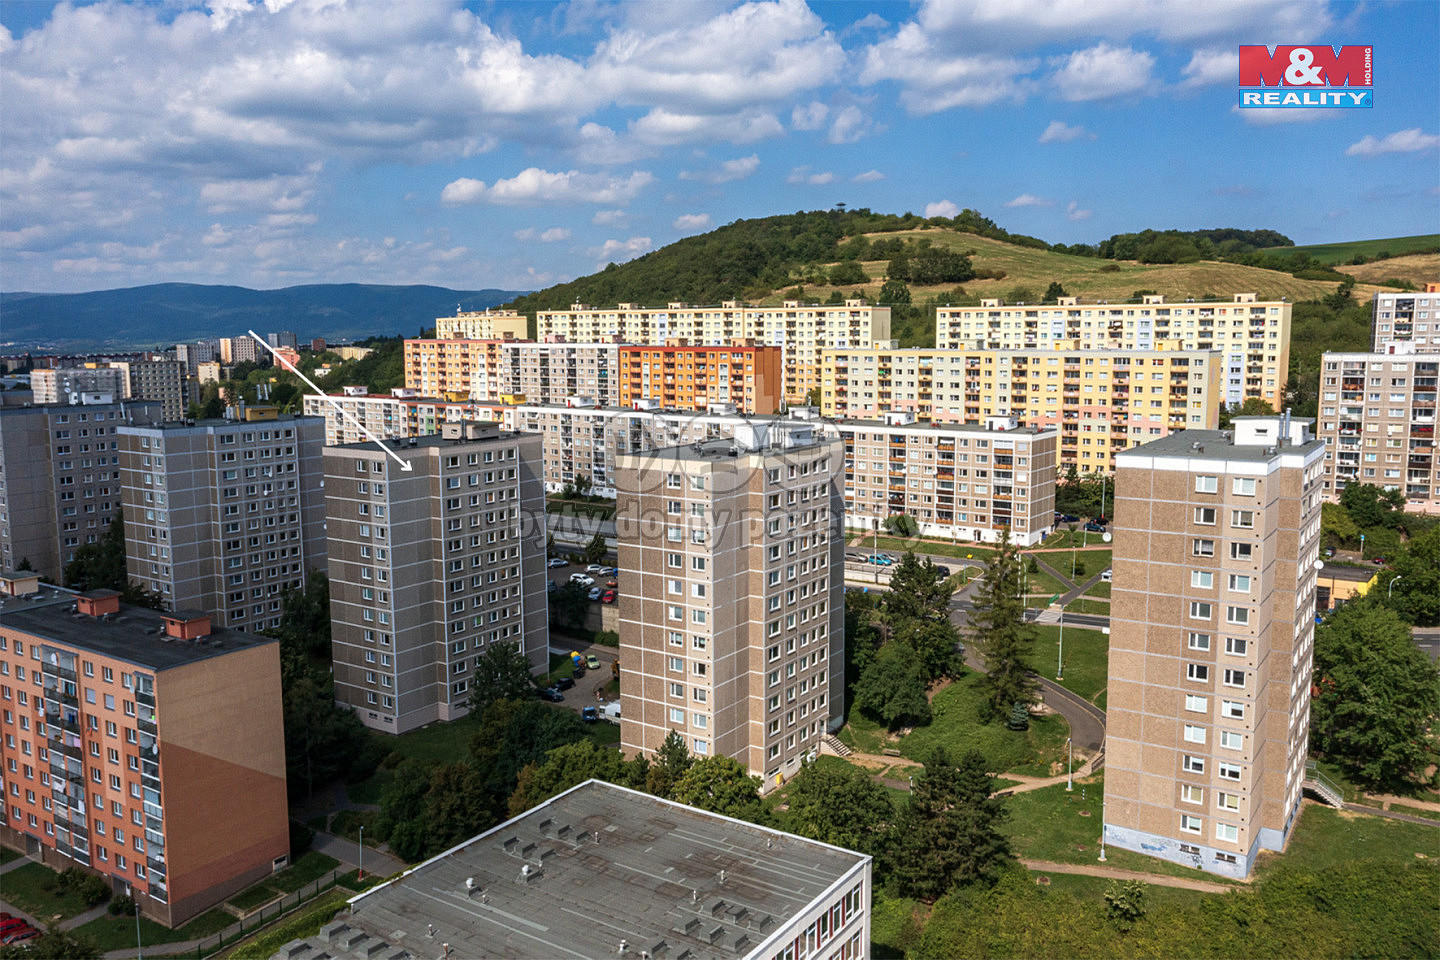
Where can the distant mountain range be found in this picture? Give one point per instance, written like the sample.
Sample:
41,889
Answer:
165,313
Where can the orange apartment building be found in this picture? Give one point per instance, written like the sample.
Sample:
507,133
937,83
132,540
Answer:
461,369
147,747
679,376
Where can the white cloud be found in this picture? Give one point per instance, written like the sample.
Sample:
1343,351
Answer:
810,116
618,251
933,77
1030,200
1211,66
737,169
851,124
534,186
1060,132
610,218
802,175
1073,211
869,176
553,235
941,208
1401,141
1103,71
690,222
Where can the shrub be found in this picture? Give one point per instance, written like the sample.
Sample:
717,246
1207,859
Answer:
607,638
121,907
1110,268
301,836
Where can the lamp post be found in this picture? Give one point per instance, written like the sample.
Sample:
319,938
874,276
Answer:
1362,548
1072,551
1070,769
1102,830
360,872
1060,647
1392,586
139,953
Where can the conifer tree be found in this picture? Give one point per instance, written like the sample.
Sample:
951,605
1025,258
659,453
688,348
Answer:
1001,636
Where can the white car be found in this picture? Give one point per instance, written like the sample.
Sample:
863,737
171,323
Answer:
595,568
595,593
581,579
557,562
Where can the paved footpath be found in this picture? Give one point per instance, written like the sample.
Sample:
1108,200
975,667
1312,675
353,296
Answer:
1117,873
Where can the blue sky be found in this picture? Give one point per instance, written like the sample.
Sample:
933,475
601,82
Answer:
519,144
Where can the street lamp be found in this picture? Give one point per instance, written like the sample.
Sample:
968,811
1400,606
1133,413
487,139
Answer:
1070,770
139,954
1362,548
1102,830
360,873
1060,647
1392,586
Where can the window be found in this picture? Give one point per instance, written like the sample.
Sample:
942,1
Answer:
1227,801
675,664
1202,548
1207,484
1234,678
1193,764
1200,610
1197,671
1199,641
1232,709
1196,704
1194,733
1191,794
1205,516
1243,486
1227,832
1237,615
677,715
1240,582
1241,551
1235,646
677,689
1232,740
1229,771
1244,519
1202,579
1190,824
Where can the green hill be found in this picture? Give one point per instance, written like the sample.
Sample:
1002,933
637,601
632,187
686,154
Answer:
1382,249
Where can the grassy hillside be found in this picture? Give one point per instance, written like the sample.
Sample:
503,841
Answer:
1337,253
1416,268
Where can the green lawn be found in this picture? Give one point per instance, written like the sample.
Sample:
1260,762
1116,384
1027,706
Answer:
306,922
939,548
1086,605
1087,657
25,888
6,855
118,933
310,866
445,742
1415,811
248,900
347,823
369,791
1340,253
1326,837
1101,589
1042,584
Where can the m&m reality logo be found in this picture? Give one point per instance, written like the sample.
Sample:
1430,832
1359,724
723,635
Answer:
1305,76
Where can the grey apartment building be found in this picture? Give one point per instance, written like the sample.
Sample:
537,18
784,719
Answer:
732,619
1211,642
60,477
224,515
430,566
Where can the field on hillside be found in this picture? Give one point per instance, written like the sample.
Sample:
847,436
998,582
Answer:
1087,277
1418,268
1337,253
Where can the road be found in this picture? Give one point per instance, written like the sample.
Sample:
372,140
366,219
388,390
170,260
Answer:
1428,640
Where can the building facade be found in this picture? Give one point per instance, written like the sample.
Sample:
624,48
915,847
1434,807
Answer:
1252,335
732,620
1101,401
678,376
1211,642
1411,318
1377,418
224,515
130,737
160,380
68,384
802,329
430,566
966,482
554,372
60,478
460,369
482,325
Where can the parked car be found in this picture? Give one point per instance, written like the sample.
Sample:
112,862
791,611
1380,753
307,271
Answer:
551,586
1329,552
592,662
611,711
1095,527
1107,576
857,557
595,592
609,572
551,694
595,568
943,570
608,596
612,583
20,935
1379,561
879,559
582,579
556,562
11,923
1066,518
564,683
589,714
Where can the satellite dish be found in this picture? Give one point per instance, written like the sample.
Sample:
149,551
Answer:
1105,537
1319,564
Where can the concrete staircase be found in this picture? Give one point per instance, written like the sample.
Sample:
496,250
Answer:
832,744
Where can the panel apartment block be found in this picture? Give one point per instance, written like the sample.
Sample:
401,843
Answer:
482,325
460,369
731,625
678,376
1410,318
1253,336
554,372
68,384
967,482
1211,642
398,415
430,566
146,747
802,329
1377,418
224,515
160,380
60,478
1101,401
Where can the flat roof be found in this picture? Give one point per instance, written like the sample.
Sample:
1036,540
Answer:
590,868
726,448
1216,445
215,422
1340,571
430,441
133,635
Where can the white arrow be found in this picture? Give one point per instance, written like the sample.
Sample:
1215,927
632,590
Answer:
404,464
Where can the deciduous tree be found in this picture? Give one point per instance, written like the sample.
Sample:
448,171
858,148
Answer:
839,805
721,785
891,689
502,672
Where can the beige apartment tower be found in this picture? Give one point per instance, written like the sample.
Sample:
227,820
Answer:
732,619
430,566
1212,628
